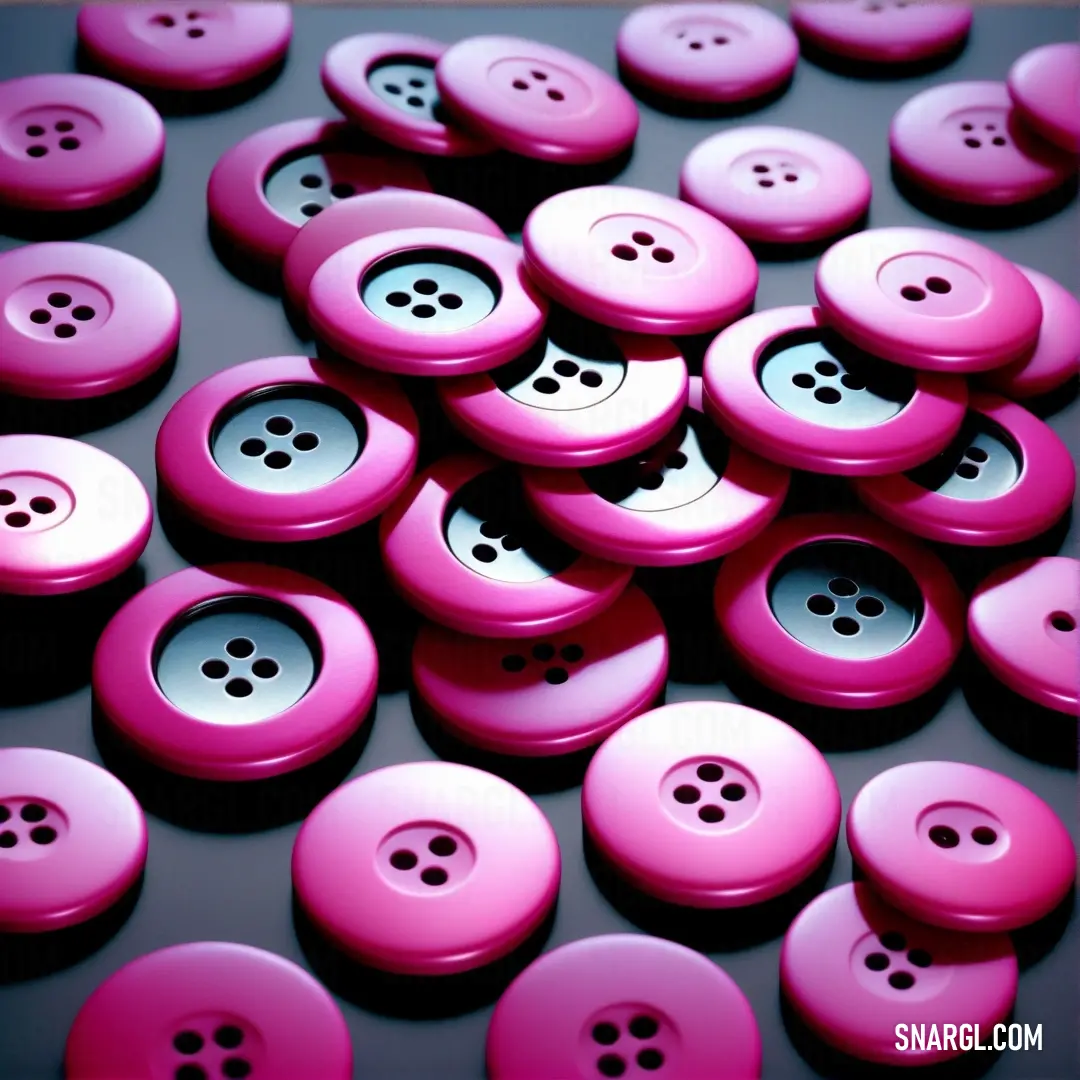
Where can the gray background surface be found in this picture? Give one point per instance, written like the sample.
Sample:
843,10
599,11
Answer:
201,886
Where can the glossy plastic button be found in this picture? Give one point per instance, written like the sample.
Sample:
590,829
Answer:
711,805
867,979
690,497
235,672
841,611
623,1005
288,448
356,219
1056,356
580,395
426,301
72,142
1044,84
209,1009
269,184
637,260
961,847
462,548
73,840
1005,478
881,31
776,185
536,100
71,516
787,387
1022,622
966,142
80,320
445,869
550,695
176,47
707,52
385,83
928,299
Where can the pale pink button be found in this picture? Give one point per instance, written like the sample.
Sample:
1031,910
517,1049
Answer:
1045,87
1056,356
707,52
776,185
961,847
966,143
862,976
881,31
1022,622
637,260
711,805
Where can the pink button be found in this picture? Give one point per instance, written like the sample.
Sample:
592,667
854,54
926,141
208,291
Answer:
549,695
966,142
881,31
80,320
961,847
707,52
235,672
1022,624
637,260
288,448
345,222
928,299
446,868
71,142
711,805
623,1005
690,497
787,387
1004,479
841,611
71,516
72,840
536,100
580,395
175,47
426,301
209,1009
877,985
462,548
1044,84
269,184
776,185
385,83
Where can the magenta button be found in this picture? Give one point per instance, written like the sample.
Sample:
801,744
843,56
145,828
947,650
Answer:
73,840
707,52
209,1009
71,516
966,142
1044,84
636,260
928,299
623,1005
1022,622
549,695
711,805
446,868
174,46
80,320
881,31
861,975
72,142
385,84
536,100
961,847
